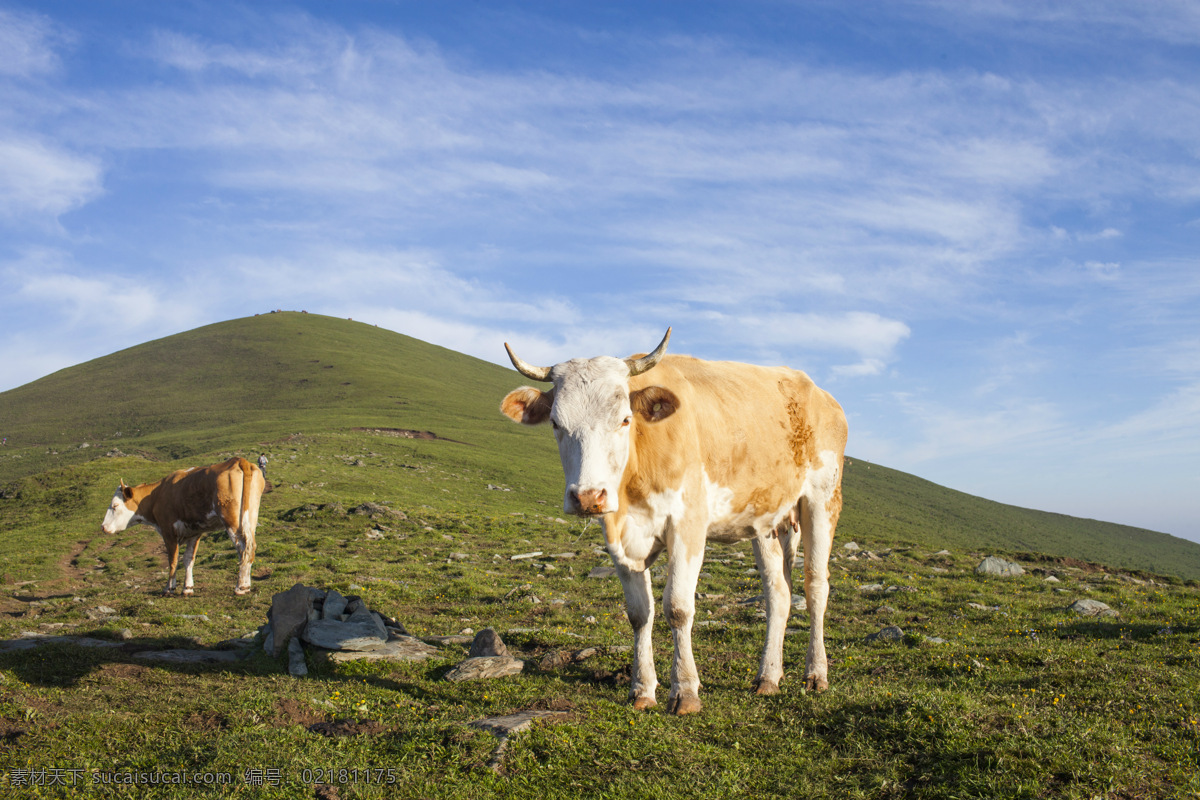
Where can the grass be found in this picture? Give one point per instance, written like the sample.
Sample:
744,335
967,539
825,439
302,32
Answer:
1023,698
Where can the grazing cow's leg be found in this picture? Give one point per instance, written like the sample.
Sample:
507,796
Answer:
639,606
172,544
817,526
189,558
774,552
679,603
245,543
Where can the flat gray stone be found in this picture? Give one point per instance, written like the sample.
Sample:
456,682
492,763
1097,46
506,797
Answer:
288,615
190,656
401,648
335,635
993,565
485,668
602,572
516,723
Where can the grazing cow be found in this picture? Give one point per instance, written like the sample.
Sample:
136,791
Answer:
671,451
189,502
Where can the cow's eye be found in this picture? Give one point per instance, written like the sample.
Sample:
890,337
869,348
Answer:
625,423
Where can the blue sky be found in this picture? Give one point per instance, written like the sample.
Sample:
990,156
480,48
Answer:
975,223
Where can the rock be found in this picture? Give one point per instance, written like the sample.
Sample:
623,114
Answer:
458,556
871,587
1092,608
992,565
851,547
980,607
335,605
288,616
296,665
364,616
487,643
336,635
885,610
1051,579
942,553
602,572
189,656
515,723
485,668
525,556
891,633
400,648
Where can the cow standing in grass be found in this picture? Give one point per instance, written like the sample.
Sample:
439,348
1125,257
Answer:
670,452
191,502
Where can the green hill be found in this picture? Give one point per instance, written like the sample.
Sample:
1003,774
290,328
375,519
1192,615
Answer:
236,384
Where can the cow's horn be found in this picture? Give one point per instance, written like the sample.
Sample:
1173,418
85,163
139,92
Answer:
528,370
639,365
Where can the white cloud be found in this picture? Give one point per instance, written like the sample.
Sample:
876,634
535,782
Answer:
27,43
39,179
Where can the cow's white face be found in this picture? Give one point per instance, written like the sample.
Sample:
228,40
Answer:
593,415
121,513
592,418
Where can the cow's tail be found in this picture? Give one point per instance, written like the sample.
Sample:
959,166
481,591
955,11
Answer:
248,544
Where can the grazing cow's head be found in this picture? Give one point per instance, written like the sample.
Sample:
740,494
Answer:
592,411
121,512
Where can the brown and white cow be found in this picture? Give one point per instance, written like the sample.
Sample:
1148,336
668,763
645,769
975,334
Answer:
671,451
191,502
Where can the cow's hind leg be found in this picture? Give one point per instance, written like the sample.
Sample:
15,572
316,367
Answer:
189,558
818,518
773,554
679,603
171,542
639,606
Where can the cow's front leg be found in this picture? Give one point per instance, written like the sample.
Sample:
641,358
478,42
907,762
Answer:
679,603
639,607
189,558
773,553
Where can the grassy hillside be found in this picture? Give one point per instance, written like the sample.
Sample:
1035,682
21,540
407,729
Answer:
236,384
994,690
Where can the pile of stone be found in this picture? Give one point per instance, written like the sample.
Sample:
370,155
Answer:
335,627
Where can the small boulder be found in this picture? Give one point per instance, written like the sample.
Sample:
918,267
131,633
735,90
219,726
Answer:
488,643
288,616
992,565
1092,608
891,633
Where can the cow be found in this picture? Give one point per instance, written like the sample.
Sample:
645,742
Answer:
670,452
190,502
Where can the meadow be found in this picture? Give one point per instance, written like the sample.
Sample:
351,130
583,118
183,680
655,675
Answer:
993,689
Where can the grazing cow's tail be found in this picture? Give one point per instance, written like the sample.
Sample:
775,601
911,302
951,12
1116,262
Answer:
247,482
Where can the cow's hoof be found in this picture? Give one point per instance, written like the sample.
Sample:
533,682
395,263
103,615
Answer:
644,703
816,683
686,703
240,591
188,592
767,687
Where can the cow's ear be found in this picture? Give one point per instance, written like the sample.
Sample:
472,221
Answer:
654,403
126,491
528,405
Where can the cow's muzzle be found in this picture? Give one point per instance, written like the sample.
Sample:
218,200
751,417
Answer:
589,502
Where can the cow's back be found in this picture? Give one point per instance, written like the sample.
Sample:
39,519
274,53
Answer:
757,431
198,496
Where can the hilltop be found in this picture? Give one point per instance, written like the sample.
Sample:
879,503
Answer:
248,382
